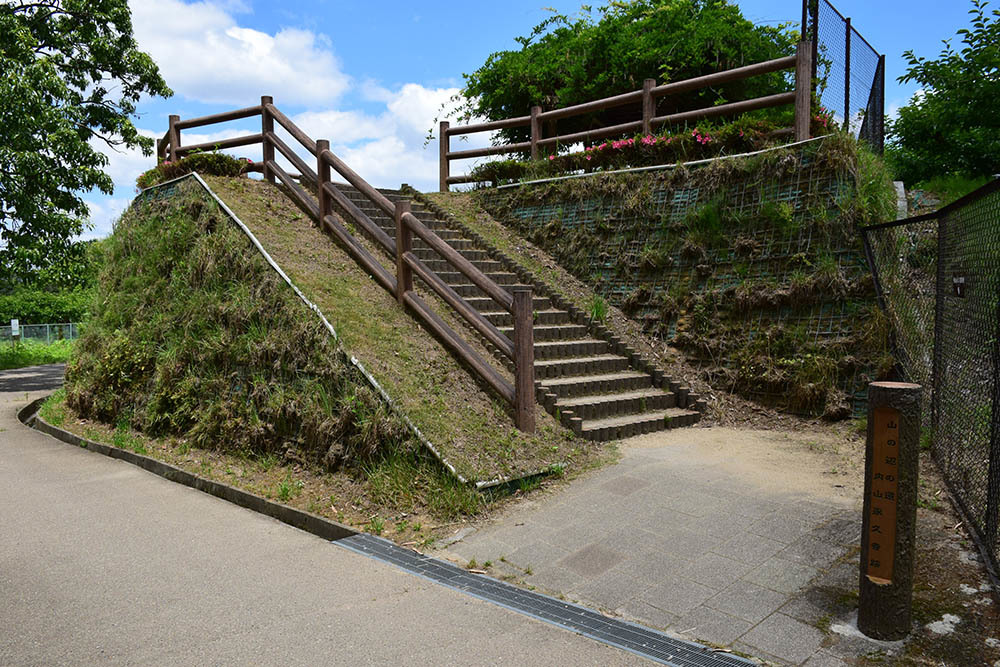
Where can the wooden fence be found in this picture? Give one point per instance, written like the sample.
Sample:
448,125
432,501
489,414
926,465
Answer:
399,283
801,62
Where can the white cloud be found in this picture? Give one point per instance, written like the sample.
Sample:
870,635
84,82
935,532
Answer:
103,214
205,56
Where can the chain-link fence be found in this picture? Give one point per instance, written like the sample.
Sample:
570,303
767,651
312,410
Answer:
938,277
43,333
848,73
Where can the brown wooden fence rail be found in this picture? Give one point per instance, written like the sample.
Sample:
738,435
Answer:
801,62
399,283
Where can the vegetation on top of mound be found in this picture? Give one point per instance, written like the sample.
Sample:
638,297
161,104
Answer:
193,334
216,164
706,140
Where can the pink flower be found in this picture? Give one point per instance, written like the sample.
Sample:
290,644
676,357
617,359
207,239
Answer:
741,133
552,157
588,157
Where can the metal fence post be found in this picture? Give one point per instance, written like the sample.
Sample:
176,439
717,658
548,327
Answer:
267,126
524,360
993,476
847,74
444,145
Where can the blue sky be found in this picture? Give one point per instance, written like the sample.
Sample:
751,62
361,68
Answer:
371,76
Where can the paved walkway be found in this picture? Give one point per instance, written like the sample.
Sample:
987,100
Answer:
101,562
726,542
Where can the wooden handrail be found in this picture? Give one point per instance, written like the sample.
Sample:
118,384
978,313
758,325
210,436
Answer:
218,118
520,349
647,96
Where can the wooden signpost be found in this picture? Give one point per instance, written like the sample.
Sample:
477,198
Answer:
888,536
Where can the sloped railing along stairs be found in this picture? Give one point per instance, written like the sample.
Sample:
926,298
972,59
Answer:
595,387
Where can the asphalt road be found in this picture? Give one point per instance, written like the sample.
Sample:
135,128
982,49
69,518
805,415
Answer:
104,563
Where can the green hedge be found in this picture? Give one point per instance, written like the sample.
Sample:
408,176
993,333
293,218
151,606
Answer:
39,307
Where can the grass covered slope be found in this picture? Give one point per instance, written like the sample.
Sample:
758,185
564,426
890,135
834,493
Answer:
471,427
194,335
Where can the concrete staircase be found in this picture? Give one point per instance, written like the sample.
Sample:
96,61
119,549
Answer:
584,376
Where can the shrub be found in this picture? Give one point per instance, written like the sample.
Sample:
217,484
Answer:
216,164
40,307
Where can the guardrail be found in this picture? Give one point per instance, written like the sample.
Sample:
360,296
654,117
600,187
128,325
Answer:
398,282
801,97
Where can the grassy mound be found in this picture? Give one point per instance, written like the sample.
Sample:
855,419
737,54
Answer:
193,334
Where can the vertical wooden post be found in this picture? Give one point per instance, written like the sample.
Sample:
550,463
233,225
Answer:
174,137
536,130
888,534
322,178
847,76
524,360
648,105
444,145
161,152
267,125
803,90
404,244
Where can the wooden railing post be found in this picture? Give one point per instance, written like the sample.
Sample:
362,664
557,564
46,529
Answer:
444,144
803,90
536,130
648,106
404,244
524,360
174,137
322,178
267,125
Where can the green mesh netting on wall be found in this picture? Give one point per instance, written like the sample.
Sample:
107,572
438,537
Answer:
751,265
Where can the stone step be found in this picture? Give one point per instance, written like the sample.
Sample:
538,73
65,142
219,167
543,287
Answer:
544,317
545,332
583,385
484,265
502,278
562,349
486,304
472,254
610,405
590,365
626,426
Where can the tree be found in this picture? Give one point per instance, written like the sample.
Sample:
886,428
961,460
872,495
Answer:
951,126
70,77
566,61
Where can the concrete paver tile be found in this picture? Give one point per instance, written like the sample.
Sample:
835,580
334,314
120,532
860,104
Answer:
647,614
784,637
781,526
536,554
713,626
781,575
592,560
689,544
749,548
748,601
614,588
812,551
678,596
822,659
715,571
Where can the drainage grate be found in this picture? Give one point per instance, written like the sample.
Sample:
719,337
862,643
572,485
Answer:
630,637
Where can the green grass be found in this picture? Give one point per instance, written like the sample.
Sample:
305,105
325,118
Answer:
952,186
53,410
33,353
